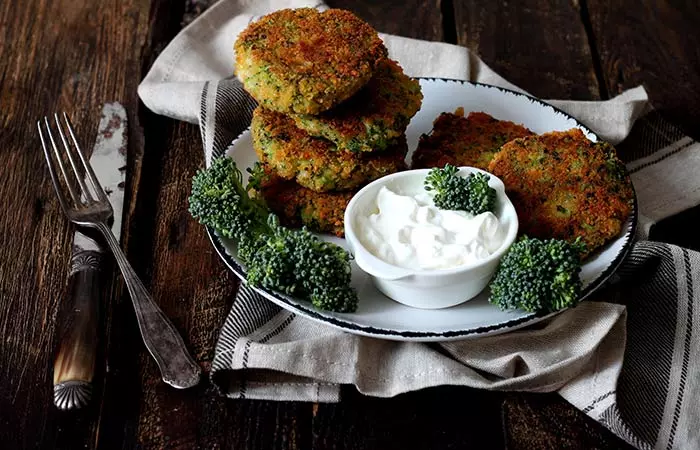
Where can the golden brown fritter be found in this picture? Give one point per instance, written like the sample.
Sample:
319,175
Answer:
315,163
565,186
464,141
374,118
298,206
305,61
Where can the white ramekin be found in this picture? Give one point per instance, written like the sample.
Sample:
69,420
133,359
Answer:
427,289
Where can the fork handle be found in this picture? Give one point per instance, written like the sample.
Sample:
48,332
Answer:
162,340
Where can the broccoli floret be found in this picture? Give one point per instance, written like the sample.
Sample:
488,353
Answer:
220,200
293,261
298,263
272,263
336,298
538,275
451,191
324,270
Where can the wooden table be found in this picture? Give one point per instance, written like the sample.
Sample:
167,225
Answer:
77,54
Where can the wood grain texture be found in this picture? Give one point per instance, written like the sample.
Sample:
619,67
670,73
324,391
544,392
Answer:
60,55
545,421
412,18
655,44
539,45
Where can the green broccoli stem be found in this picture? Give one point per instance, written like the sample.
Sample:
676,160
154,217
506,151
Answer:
260,214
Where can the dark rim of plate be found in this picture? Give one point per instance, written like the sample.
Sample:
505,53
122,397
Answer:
304,307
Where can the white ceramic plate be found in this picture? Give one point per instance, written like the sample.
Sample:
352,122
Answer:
381,317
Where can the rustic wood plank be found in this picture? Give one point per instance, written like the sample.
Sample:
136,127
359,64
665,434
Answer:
415,19
653,43
61,55
539,45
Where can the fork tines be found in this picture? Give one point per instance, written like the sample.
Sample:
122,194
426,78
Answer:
75,177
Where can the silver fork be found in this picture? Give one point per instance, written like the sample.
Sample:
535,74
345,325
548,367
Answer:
92,209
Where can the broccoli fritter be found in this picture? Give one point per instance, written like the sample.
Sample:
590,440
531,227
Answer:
315,163
372,119
565,186
464,141
298,206
305,61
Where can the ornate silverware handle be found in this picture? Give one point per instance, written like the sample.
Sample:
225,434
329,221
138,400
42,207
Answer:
78,319
165,344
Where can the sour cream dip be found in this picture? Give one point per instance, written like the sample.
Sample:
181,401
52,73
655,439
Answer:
410,231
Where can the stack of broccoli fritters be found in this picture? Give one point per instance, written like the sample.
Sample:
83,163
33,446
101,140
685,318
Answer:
332,114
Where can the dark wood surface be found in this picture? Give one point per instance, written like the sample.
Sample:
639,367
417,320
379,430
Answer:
75,55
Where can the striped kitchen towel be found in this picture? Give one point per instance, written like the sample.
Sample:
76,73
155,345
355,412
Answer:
625,358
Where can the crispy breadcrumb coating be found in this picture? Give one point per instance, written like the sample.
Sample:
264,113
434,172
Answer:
305,61
374,118
298,206
464,141
564,186
315,163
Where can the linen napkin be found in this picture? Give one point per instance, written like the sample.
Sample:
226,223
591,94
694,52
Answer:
623,358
